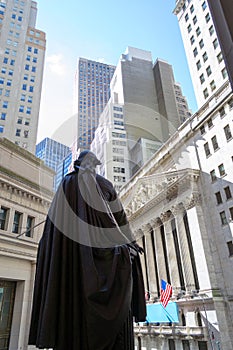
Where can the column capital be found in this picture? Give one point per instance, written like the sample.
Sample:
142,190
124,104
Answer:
193,200
155,223
146,228
164,217
178,209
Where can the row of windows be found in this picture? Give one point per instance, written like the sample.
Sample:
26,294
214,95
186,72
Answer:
25,133
212,84
227,192
26,109
222,113
119,178
205,58
214,141
27,67
7,92
35,50
17,222
118,170
221,170
201,44
118,150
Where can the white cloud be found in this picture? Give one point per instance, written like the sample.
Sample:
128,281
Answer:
56,65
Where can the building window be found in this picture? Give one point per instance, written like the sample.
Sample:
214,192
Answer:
208,71
198,31
212,85
18,131
202,129
223,217
26,132
218,197
28,110
192,40
198,64
202,78
205,57
215,143
3,116
204,6
29,226
224,73
21,108
210,123
191,9
230,248
186,17
205,93
195,52
211,30
9,82
194,20
201,43
215,43
1,129
228,133
26,66
5,104
222,112
16,222
3,218
189,28
31,88
227,192
19,121
207,149
213,175
24,87
207,17
221,170
231,212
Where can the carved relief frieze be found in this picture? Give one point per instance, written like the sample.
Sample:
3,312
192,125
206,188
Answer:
158,188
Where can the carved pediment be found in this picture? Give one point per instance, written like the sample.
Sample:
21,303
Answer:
157,188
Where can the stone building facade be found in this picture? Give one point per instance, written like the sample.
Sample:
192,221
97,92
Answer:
182,216
26,192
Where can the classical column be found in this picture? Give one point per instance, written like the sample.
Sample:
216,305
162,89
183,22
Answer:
172,258
179,213
150,262
156,226
143,262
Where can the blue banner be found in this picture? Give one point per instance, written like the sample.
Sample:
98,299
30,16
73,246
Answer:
156,313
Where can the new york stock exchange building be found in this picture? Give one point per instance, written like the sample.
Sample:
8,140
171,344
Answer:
174,207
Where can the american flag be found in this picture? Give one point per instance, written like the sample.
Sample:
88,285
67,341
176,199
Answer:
166,293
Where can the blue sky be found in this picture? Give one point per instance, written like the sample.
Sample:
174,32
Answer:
101,30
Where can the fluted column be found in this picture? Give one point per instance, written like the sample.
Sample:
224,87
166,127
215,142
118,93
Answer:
172,259
179,212
156,226
142,258
150,262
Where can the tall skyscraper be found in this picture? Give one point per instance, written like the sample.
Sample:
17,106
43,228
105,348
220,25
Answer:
92,82
203,52
22,48
146,107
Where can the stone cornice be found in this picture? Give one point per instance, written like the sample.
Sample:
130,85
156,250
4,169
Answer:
16,185
11,147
